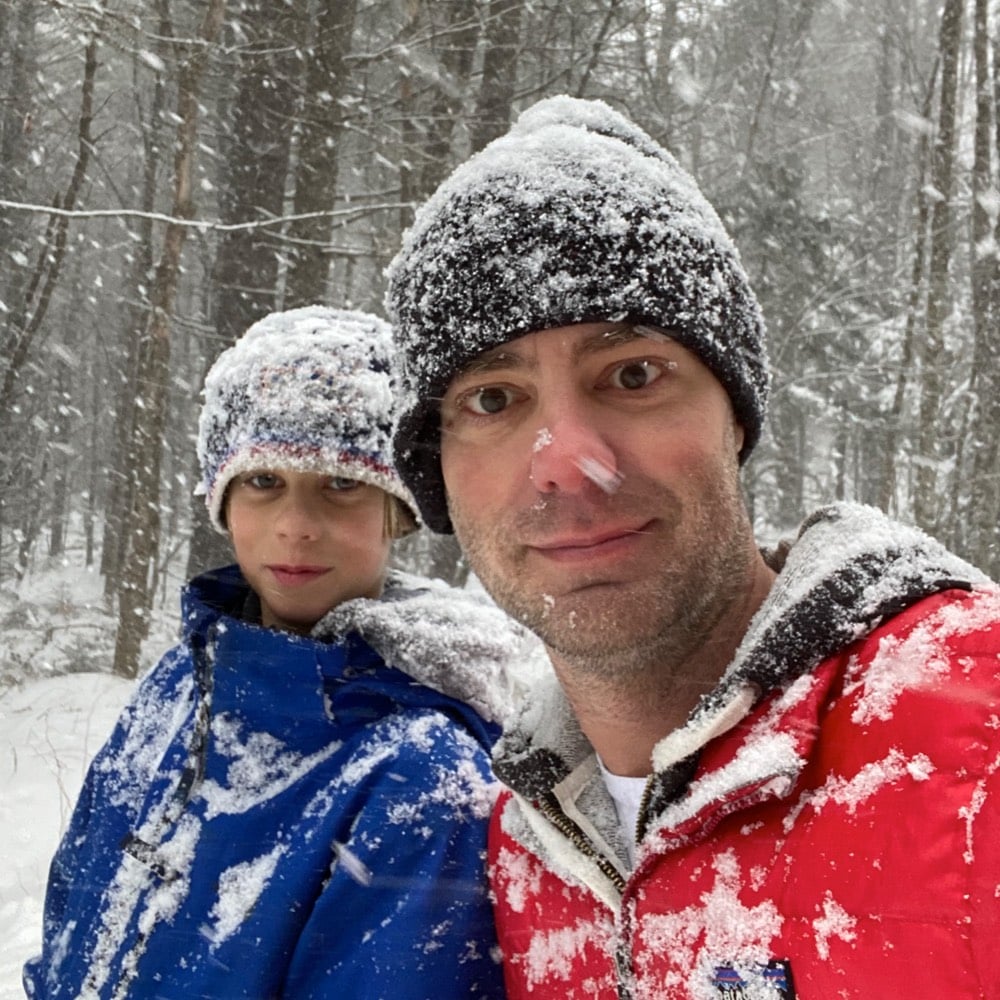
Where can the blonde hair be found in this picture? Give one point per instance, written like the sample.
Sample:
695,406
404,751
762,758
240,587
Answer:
398,520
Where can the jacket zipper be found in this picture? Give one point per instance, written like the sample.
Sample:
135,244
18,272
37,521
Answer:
640,820
549,807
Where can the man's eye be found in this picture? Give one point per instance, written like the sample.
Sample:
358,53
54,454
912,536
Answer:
492,399
635,375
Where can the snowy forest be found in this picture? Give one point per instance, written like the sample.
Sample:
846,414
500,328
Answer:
171,171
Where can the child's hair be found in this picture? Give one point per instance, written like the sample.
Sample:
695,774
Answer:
399,519
309,389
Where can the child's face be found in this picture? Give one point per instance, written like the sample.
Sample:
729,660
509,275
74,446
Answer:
306,541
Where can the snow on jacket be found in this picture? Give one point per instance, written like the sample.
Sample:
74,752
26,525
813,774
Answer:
286,816
827,825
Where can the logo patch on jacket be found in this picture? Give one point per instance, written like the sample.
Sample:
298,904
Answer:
773,980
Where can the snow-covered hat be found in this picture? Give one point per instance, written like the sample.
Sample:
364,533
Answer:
575,215
308,389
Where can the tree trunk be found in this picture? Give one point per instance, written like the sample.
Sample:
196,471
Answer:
982,487
134,317
318,155
26,320
896,417
499,80
942,236
255,170
143,528
17,30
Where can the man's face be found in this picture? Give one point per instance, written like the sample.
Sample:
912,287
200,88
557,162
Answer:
592,479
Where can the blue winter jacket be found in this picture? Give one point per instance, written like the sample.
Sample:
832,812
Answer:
285,816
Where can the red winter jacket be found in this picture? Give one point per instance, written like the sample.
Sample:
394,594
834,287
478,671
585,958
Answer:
841,841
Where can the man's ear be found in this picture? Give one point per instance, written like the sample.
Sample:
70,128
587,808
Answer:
739,435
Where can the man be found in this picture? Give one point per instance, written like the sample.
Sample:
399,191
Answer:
743,777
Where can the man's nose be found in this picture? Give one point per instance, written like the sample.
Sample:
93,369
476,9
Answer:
570,453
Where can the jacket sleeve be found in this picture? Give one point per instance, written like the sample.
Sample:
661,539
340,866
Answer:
109,799
405,912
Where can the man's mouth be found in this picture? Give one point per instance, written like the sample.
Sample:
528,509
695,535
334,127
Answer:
606,542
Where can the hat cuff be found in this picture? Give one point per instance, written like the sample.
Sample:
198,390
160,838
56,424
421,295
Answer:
274,456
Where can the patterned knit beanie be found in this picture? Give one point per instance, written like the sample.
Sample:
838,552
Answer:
309,389
575,215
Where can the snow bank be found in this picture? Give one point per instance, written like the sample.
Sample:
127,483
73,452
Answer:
49,731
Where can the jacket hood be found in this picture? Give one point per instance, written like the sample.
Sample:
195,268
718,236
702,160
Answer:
454,641
849,569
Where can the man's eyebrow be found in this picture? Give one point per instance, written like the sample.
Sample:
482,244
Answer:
504,359
621,333
500,358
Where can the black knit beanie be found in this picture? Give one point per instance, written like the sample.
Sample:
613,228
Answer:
574,216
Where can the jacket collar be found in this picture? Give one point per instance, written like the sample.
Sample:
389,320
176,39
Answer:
453,641
849,569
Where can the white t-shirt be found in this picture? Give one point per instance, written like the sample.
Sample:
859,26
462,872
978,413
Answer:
627,794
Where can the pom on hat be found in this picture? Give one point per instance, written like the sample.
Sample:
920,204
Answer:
575,215
308,389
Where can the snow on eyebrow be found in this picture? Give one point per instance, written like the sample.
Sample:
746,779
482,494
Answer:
652,333
919,658
719,928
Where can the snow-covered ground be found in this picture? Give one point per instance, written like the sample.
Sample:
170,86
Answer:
49,730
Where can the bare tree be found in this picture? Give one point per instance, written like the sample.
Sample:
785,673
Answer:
498,83
321,126
25,322
143,529
133,315
981,508
926,506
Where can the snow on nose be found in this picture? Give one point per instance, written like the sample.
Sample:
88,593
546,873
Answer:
603,476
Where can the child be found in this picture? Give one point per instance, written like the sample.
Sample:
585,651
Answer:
294,804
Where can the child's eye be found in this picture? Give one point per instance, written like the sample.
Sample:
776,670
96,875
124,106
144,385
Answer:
341,483
636,374
489,400
262,480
